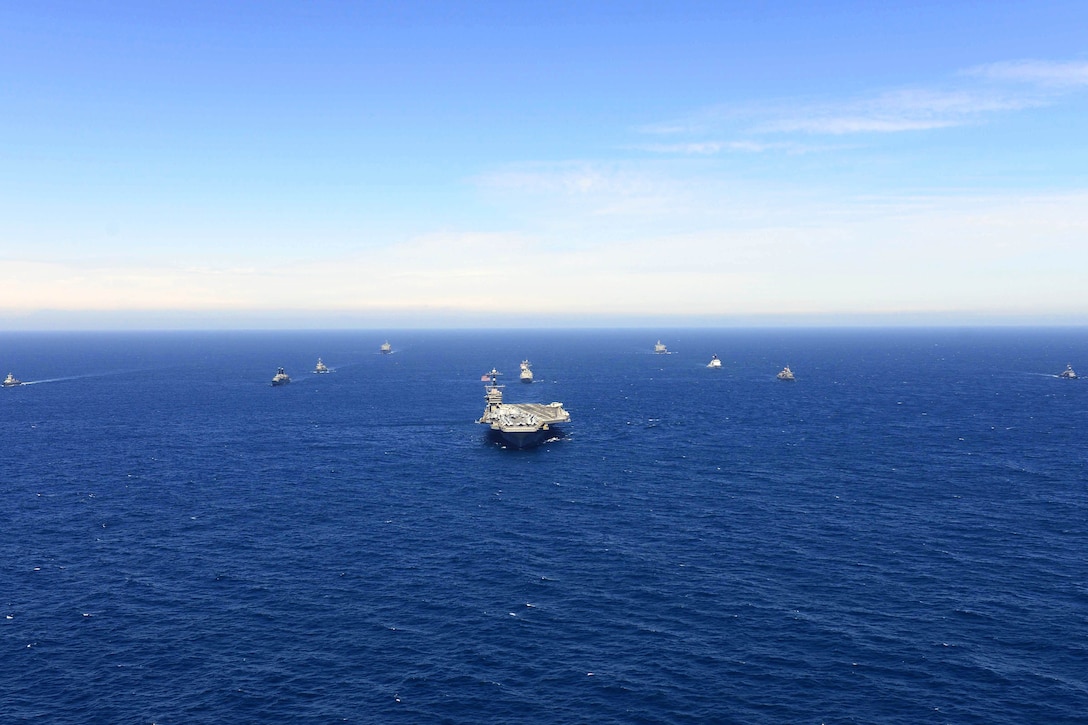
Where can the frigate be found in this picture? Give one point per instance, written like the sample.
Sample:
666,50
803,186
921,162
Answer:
321,367
280,378
786,374
520,425
386,348
1068,373
715,362
11,382
660,348
526,371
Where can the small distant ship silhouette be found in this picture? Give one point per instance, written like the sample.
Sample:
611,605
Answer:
526,372
660,348
714,362
1067,374
280,378
11,382
321,367
386,348
786,374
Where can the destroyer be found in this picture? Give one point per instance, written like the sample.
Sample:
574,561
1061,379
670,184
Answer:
660,348
786,374
526,372
521,425
386,348
280,378
1068,373
11,382
714,362
321,367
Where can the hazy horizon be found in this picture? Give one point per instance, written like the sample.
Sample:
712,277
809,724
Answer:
152,321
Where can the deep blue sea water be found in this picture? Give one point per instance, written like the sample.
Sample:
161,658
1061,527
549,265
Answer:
900,536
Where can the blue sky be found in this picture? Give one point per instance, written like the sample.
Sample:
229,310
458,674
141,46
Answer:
359,164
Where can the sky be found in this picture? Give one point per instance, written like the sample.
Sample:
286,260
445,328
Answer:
432,164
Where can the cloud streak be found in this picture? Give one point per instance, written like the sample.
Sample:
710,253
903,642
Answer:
970,97
1048,74
902,110
710,148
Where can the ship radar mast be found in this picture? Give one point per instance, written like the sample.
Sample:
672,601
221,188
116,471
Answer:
493,388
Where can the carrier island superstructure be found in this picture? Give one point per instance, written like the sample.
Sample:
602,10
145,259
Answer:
521,425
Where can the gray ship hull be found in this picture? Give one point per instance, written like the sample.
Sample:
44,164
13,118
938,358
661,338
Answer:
524,439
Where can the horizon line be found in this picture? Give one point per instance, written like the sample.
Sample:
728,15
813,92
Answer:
140,323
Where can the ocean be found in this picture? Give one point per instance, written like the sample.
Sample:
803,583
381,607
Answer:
898,536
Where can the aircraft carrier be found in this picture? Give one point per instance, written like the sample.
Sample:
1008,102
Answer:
520,425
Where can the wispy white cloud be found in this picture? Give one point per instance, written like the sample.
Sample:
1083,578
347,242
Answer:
576,190
1049,74
574,178
837,125
969,97
916,109
709,148
701,148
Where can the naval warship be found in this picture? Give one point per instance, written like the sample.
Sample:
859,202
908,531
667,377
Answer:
520,425
526,372
11,382
280,378
1068,373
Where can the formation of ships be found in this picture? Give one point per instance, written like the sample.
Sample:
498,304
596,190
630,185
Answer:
282,378
519,425
524,425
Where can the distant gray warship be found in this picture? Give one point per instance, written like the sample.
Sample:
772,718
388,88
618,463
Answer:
521,425
280,378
